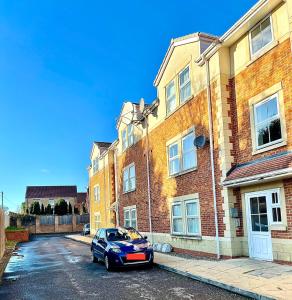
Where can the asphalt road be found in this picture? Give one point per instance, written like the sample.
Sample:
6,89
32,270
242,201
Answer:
52,267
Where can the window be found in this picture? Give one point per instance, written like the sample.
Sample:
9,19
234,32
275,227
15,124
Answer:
186,217
267,122
52,202
97,220
276,208
184,85
96,191
182,154
170,97
95,165
128,136
130,217
261,35
129,179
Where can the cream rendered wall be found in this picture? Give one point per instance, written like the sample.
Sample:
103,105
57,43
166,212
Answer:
240,55
45,201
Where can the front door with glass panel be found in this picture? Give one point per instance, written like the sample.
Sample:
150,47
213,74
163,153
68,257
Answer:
259,235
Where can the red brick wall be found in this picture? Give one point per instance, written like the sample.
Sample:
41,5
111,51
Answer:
18,235
273,67
193,113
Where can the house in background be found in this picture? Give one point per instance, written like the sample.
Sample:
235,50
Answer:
101,186
81,203
51,195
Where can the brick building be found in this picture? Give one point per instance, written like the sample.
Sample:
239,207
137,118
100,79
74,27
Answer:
101,186
232,196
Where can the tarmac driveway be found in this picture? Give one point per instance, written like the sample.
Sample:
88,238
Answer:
53,267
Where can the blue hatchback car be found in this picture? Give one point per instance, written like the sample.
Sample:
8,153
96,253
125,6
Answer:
121,247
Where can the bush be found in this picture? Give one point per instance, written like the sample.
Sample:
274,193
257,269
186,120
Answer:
13,228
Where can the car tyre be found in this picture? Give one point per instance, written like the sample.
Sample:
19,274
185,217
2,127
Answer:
94,259
107,264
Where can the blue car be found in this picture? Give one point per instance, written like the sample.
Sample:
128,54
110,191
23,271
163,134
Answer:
121,247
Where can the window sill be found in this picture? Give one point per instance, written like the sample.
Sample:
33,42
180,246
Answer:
262,52
124,193
281,143
182,172
179,106
278,227
186,237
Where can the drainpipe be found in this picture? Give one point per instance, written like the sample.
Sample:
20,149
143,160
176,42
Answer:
148,180
210,116
116,187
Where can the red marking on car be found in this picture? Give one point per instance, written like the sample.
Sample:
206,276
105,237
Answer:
136,256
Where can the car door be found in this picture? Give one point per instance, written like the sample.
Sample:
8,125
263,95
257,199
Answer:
94,243
101,243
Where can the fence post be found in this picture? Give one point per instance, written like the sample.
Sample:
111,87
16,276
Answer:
37,224
56,223
74,223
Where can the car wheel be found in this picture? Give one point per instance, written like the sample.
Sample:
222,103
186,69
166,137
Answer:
107,263
94,259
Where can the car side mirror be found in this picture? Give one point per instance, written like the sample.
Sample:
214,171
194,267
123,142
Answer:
145,237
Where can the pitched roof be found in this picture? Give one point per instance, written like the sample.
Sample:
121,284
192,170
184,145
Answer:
103,144
280,163
51,191
81,197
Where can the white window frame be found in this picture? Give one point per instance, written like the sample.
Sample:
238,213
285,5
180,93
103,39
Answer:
130,209
183,202
184,84
128,137
97,220
179,141
167,100
276,205
96,193
256,124
250,38
127,188
95,165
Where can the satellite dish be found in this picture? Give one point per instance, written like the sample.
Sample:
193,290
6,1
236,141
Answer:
142,105
200,141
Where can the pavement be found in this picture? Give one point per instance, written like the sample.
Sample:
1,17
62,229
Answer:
53,267
248,277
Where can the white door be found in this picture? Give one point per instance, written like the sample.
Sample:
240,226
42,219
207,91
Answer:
259,235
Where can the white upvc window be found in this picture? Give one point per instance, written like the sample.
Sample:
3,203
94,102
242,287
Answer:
97,220
128,136
95,164
276,208
129,178
182,155
261,35
267,122
170,97
52,203
184,84
130,216
96,191
185,217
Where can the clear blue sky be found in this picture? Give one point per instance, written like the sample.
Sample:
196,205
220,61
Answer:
66,67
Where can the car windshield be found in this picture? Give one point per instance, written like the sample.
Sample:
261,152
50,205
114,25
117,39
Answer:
122,234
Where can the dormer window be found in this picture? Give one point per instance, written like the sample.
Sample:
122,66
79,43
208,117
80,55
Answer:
184,85
261,35
170,97
95,164
128,136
